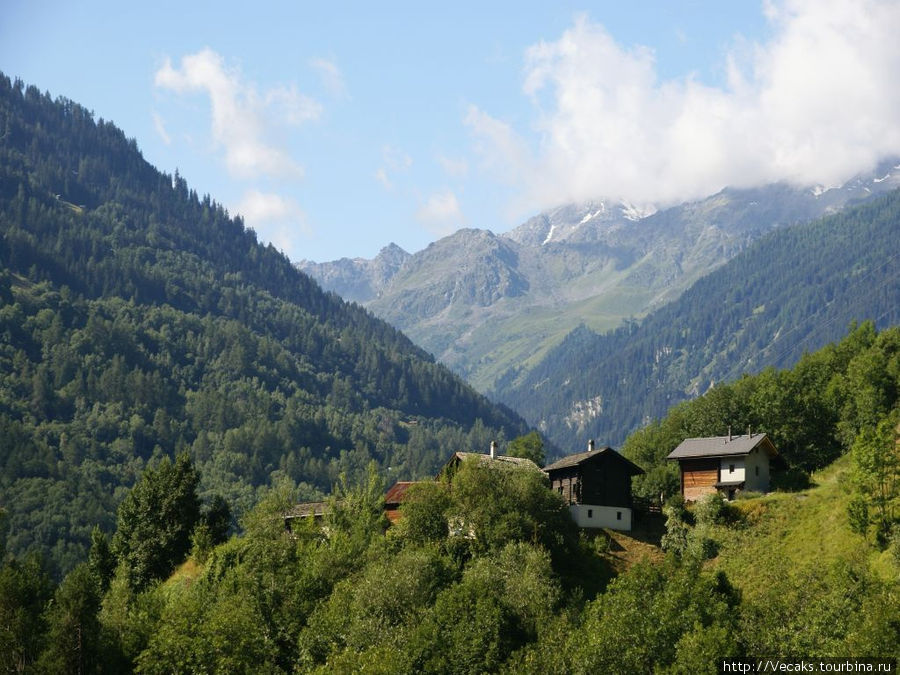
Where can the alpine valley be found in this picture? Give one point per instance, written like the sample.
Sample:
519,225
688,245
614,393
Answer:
521,315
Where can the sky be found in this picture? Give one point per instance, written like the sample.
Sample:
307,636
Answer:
337,128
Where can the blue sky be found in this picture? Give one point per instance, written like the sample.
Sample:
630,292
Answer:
336,129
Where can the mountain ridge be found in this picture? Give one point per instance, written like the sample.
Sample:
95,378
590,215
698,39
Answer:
595,263
793,290
139,320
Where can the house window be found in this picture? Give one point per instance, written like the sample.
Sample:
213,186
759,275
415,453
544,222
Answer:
731,468
590,513
757,471
618,515
560,489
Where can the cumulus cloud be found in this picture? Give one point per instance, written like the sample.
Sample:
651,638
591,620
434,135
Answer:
277,219
441,213
242,116
331,76
814,104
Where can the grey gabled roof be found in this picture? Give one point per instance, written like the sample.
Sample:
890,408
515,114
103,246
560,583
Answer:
722,446
578,458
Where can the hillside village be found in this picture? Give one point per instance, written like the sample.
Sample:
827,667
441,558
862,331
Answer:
596,485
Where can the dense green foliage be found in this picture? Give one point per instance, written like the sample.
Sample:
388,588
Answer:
461,584
792,291
530,446
138,321
843,397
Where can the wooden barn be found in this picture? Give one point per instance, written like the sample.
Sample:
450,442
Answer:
394,499
597,486
724,464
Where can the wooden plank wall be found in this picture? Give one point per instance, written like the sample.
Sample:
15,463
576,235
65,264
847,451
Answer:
698,477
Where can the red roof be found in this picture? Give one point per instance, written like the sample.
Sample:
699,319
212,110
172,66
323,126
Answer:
397,494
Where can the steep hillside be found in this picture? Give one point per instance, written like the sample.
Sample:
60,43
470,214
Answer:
790,292
137,320
485,303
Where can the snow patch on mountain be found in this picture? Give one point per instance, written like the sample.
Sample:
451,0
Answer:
550,235
635,213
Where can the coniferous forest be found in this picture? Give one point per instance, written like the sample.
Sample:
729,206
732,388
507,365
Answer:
140,321
794,290
171,388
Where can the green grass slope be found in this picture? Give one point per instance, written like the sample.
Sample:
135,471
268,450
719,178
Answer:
785,532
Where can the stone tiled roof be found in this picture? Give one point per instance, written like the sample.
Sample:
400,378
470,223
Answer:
498,459
315,509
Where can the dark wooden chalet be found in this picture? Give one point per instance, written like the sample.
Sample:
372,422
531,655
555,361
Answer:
597,486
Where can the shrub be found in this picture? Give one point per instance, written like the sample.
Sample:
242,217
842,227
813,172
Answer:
712,510
792,479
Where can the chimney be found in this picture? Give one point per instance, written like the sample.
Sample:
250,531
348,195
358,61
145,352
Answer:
591,445
748,430
729,434
493,449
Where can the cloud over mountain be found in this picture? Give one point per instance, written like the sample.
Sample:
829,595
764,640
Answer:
815,103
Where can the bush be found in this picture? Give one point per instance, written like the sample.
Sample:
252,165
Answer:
713,510
675,539
702,547
895,545
792,479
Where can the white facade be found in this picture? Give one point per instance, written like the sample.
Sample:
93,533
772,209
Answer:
757,471
731,469
611,517
752,470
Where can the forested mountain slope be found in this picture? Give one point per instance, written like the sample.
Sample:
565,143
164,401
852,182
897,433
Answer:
138,319
792,291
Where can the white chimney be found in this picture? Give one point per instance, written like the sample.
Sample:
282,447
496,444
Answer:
591,445
493,449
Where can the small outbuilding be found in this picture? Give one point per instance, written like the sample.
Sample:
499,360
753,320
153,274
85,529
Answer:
394,499
597,486
724,464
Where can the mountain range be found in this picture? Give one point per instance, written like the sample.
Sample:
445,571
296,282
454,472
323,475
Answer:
791,291
490,306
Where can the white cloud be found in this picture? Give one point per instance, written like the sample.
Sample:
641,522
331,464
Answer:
815,104
241,117
160,127
331,76
382,177
441,213
455,168
393,161
277,219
